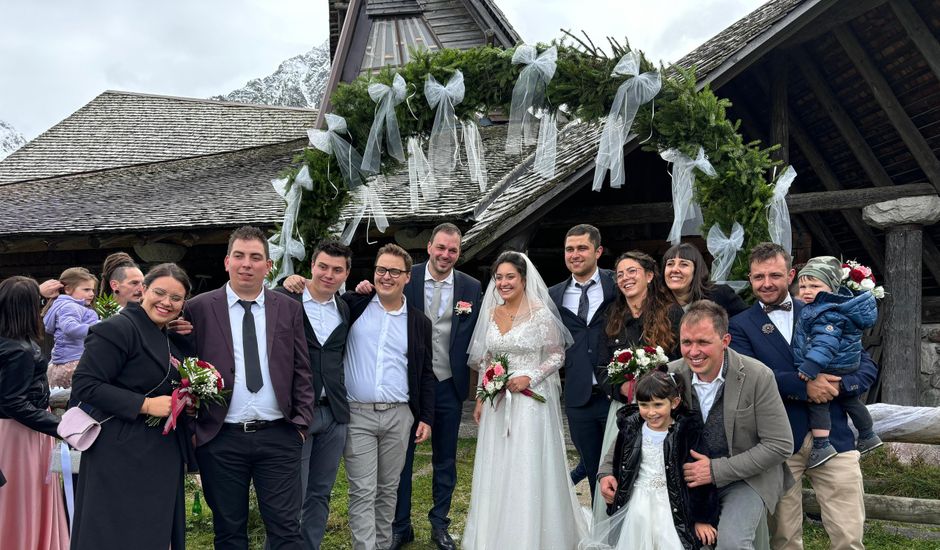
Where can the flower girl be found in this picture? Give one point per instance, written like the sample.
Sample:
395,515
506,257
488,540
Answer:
641,480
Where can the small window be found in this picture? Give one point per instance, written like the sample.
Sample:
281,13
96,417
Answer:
390,41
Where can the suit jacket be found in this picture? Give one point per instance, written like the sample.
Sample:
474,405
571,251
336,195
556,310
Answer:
326,359
421,378
753,334
590,342
466,289
759,440
288,360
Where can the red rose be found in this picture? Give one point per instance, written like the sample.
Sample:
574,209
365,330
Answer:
202,364
649,349
184,382
623,357
219,383
857,275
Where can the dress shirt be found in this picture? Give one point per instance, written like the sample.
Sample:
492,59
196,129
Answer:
245,405
783,320
707,391
376,359
447,291
324,317
595,294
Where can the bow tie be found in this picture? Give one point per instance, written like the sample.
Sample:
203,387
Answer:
786,306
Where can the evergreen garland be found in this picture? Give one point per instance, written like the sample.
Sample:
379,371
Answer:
684,118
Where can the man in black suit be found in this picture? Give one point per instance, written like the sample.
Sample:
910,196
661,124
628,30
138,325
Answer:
450,299
390,384
326,323
582,301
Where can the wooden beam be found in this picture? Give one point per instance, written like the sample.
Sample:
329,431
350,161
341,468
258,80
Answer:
883,507
844,13
822,233
920,35
880,88
779,108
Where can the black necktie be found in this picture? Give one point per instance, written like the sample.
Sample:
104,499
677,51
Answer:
250,346
786,306
583,304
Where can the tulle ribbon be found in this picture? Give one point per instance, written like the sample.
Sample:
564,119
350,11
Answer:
635,91
528,95
442,151
473,145
687,214
179,400
725,249
778,215
331,142
366,198
283,245
547,148
386,98
420,179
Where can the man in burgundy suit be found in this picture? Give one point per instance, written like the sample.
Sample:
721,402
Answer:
255,338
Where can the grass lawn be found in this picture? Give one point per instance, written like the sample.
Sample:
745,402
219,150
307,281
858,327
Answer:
883,474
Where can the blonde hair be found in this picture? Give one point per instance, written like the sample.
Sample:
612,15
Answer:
71,278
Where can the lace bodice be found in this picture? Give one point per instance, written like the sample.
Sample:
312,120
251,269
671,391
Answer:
533,347
652,474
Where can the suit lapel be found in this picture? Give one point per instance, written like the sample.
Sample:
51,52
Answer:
220,310
455,297
607,284
734,381
155,342
773,337
415,288
270,322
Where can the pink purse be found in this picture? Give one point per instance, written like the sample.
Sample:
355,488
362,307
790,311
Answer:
79,429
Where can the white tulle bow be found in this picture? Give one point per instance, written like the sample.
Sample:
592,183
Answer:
442,151
386,98
528,95
635,91
547,149
283,245
725,249
420,178
330,141
366,198
778,214
473,145
687,218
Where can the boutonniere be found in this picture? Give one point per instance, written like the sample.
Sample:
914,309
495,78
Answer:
768,328
463,308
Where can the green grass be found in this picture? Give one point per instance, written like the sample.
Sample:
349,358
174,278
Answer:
884,474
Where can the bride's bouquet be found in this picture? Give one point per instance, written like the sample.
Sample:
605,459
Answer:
199,382
631,363
495,378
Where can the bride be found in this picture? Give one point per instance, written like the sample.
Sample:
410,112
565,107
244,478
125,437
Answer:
522,497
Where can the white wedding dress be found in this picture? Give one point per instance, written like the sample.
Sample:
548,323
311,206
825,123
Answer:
522,496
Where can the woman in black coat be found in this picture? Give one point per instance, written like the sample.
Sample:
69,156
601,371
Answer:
686,275
130,491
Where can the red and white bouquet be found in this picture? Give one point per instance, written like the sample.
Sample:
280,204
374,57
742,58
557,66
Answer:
859,278
199,382
629,364
495,378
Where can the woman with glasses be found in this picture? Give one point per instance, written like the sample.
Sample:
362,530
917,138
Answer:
130,491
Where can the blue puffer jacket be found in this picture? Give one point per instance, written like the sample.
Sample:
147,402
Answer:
828,336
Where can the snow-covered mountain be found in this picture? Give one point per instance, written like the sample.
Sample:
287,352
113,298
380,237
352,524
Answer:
10,139
298,82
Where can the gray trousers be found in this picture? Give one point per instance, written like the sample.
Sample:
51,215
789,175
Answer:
319,464
376,443
743,522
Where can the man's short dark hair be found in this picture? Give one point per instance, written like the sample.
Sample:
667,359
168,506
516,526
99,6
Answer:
768,251
593,233
248,233
396,250
448,228
334,248
703,310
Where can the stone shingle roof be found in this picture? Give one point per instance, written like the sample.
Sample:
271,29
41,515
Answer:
118,129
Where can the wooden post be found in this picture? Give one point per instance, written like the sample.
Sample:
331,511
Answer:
903,221
779,113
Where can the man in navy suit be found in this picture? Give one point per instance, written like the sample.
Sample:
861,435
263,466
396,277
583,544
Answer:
764,331
582,301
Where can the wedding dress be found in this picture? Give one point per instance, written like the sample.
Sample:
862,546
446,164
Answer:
522,496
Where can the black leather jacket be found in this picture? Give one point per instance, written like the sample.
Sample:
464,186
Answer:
24,390
689,506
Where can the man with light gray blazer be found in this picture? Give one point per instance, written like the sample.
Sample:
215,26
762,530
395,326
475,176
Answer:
746,431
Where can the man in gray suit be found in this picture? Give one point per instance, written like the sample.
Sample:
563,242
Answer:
746,430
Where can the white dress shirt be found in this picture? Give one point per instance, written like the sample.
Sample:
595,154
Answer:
783,320
324,317
376,359
595,293
246,406
447,291
707,391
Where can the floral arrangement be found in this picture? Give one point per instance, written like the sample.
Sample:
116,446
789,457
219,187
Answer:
495,378
463,308
859,278
631,363
106,306
200,382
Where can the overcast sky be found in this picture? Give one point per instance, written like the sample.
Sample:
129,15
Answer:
57,55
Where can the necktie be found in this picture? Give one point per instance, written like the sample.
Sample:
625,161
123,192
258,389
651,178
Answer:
250,346
583,304
436,301
786,306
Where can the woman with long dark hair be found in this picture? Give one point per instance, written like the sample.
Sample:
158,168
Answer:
32,514
686,276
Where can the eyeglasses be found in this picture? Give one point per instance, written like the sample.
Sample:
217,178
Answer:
632,273
161,294
392,272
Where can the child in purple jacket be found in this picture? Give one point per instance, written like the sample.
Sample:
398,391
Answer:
67,318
